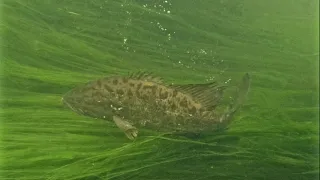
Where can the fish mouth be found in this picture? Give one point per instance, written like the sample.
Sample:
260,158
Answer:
67,104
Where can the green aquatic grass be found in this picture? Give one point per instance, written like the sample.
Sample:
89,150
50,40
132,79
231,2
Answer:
48,47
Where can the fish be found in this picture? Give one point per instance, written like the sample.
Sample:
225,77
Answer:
142,100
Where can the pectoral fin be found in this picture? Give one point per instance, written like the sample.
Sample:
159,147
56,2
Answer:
130,131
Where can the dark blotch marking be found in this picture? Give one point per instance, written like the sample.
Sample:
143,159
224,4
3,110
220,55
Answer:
139,86
193,110
99,83
130,94
184,102
174,93
108,88
120,92
138,94
164,95
131,84
154,90
124,80
97,94
145,96
160,90
179,118
115,81
85,90
173,107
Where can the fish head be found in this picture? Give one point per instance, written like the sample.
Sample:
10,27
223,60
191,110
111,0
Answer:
85,100
74,101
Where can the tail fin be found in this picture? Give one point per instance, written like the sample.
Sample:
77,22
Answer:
241,96
242,93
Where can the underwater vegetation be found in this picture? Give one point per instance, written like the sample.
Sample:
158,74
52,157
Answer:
50,47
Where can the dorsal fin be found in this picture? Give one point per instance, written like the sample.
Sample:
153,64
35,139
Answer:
146,76
209,94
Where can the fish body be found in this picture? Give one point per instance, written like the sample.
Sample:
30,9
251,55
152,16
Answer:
142,100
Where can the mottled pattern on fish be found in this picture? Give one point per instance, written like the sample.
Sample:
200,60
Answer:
145,101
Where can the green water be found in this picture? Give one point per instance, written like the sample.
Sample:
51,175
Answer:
48,47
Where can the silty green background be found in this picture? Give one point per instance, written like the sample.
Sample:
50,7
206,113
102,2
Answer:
50,46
